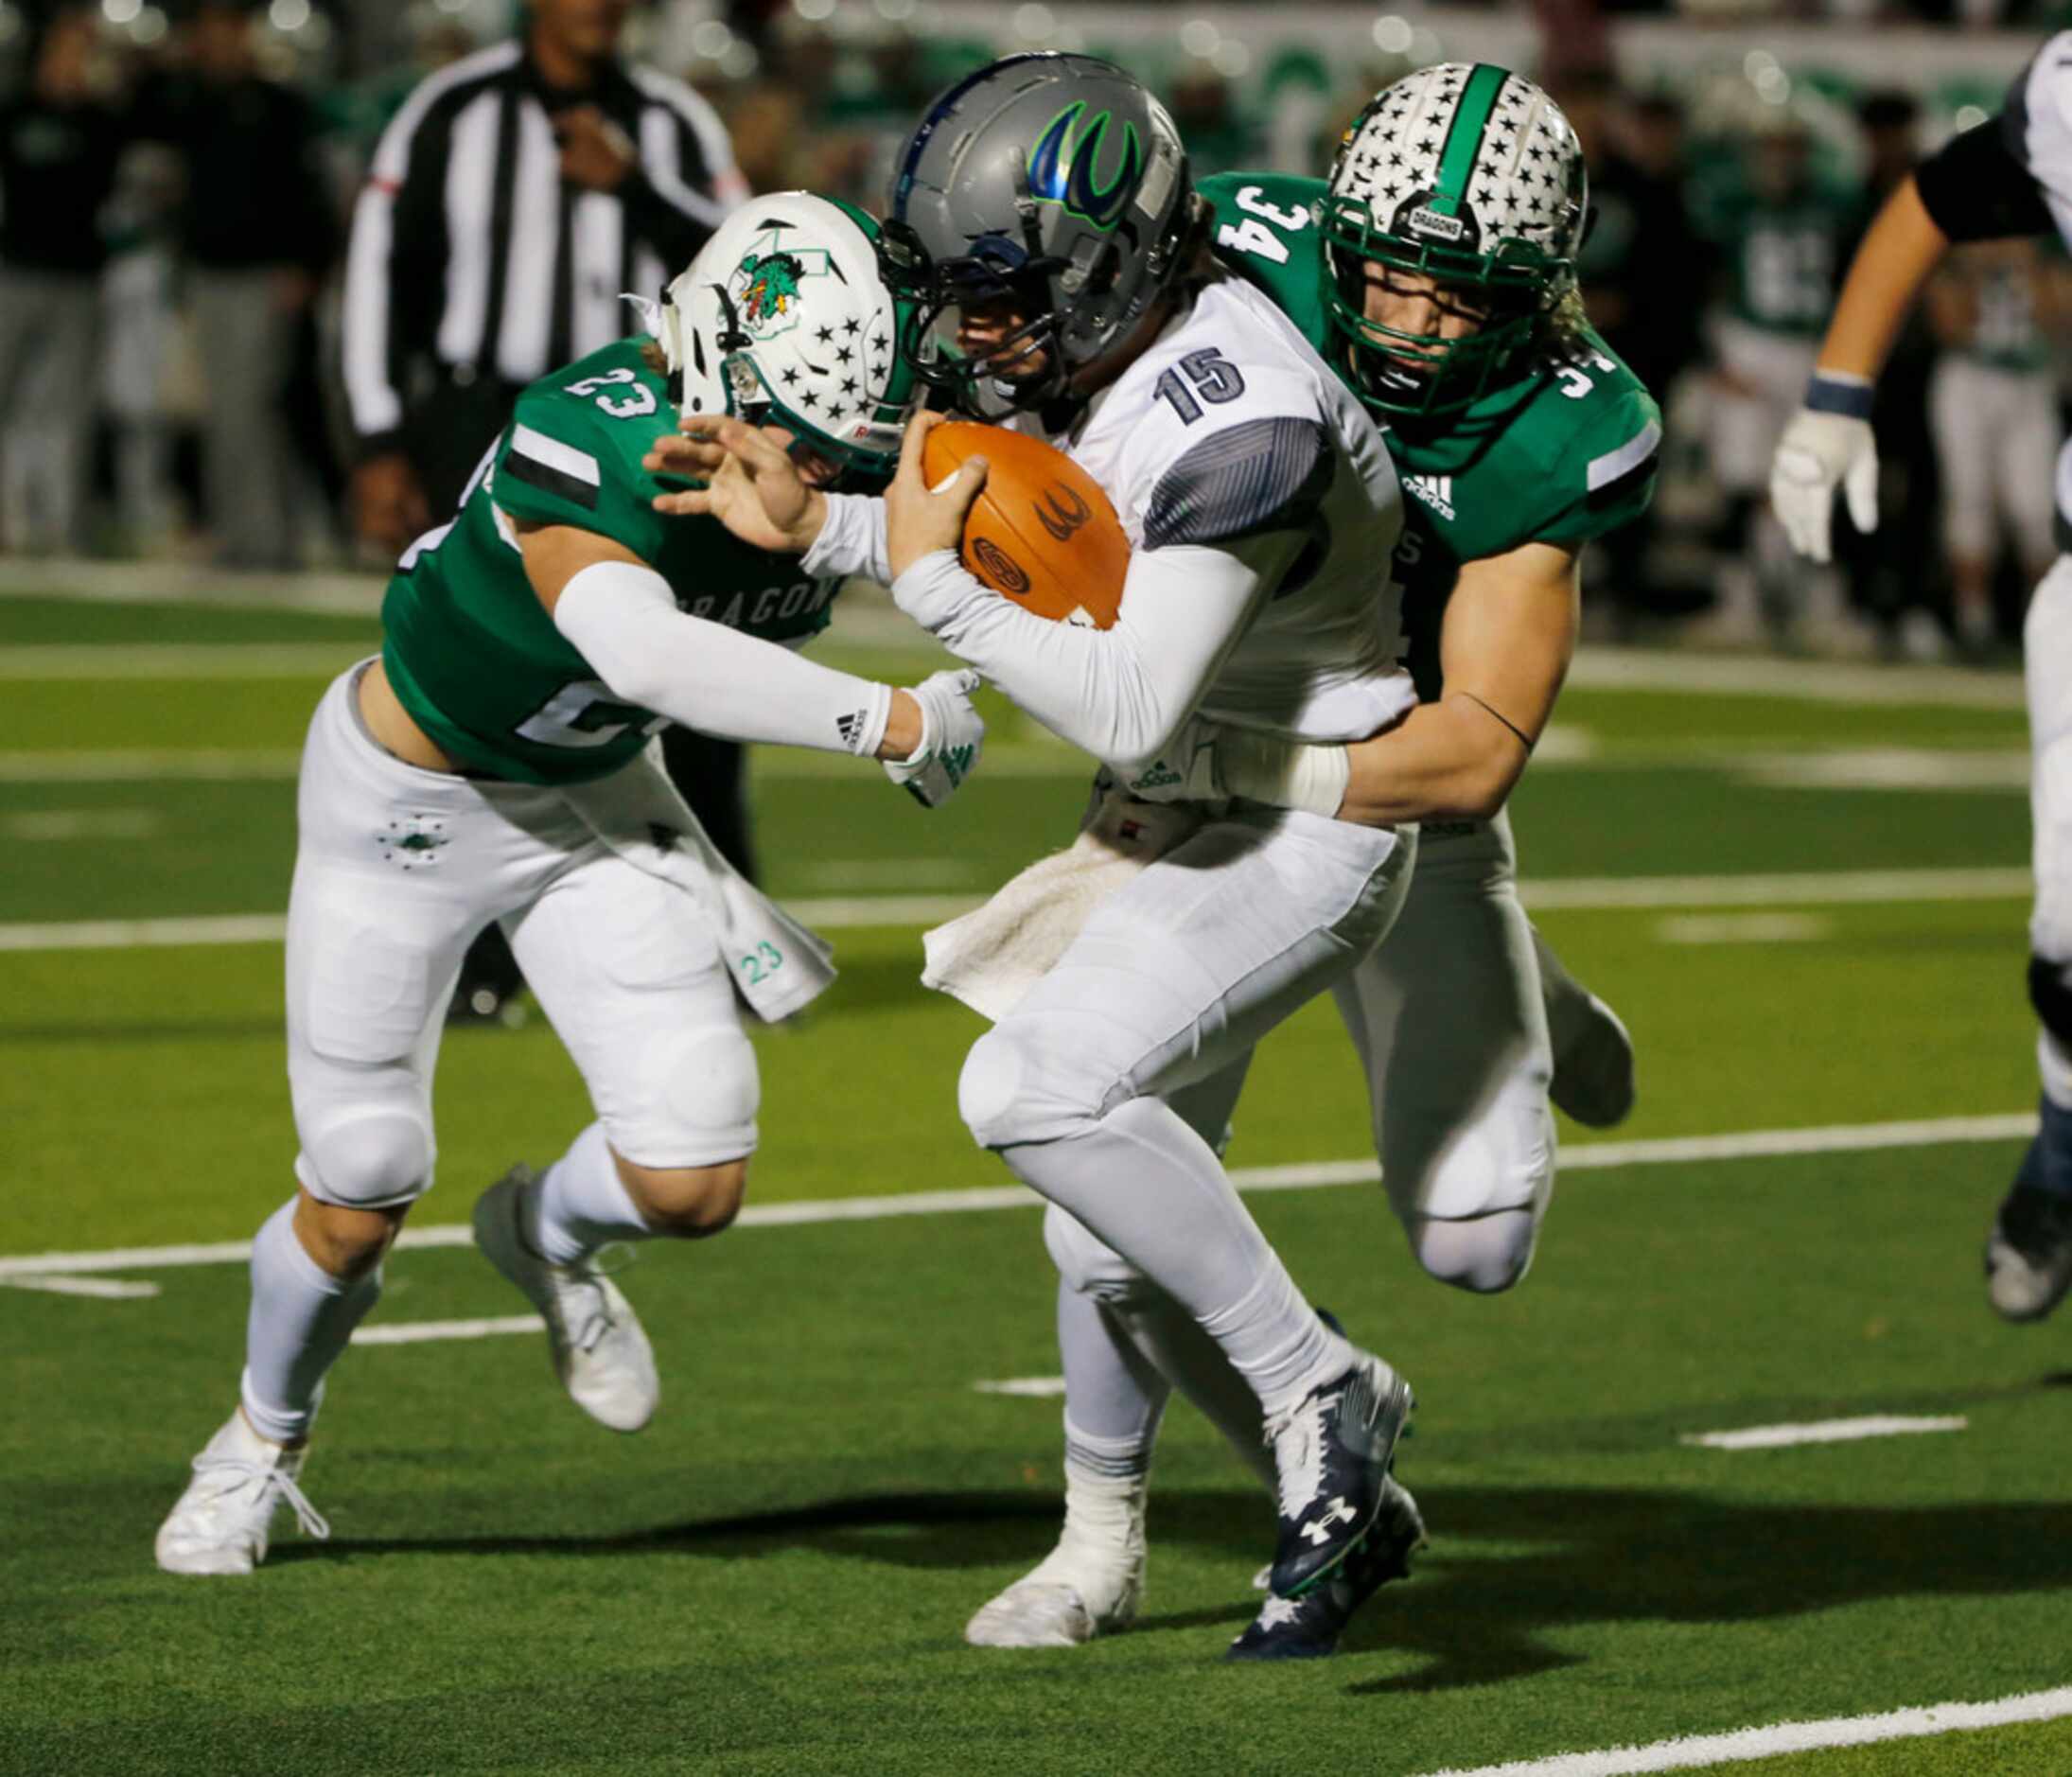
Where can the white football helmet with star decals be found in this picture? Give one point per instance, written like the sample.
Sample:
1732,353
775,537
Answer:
1470,175
783,319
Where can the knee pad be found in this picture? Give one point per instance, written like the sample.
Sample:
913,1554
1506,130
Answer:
993,1091
698,1092
366,1156
1088,1263
1486,1256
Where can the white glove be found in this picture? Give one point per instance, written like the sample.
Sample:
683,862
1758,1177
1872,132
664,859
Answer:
1818,453
951,733
1184,772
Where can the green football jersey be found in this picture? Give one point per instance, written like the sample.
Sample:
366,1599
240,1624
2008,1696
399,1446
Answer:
1782,259
1561,456
472,653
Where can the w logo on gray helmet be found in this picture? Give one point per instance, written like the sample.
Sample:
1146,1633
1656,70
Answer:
1061,167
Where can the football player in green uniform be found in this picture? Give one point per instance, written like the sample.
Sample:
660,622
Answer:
492,764
1435,273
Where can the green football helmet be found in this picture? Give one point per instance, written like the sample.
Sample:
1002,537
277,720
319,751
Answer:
1468,175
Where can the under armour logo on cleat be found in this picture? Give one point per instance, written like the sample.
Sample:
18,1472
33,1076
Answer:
1338,1513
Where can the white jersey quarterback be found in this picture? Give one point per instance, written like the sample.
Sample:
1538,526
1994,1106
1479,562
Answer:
1232,423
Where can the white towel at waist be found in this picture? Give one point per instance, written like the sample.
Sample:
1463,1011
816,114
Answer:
994,955
778,966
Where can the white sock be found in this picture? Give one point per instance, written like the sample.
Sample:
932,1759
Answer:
582,1204
301,1319
1145,1182
1103,1543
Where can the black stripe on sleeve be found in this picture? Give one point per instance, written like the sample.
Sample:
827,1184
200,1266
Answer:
549,481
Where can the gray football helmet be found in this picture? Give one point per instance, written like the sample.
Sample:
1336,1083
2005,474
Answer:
1054,177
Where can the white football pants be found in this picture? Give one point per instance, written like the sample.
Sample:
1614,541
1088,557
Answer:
396,871
2047,673
1996,436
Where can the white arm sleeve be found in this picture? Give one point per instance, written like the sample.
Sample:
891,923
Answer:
1119,693
851,541
624,620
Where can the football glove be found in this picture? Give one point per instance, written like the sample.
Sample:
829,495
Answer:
951,733
1818,453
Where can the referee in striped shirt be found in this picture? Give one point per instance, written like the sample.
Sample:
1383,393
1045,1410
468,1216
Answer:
513,198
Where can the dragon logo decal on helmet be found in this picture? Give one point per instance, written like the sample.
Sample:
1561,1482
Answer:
782,319
1052,179
1468,175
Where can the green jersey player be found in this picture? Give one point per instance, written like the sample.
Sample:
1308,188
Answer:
492,764
1434,272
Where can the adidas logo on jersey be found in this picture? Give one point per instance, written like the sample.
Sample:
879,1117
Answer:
1436,491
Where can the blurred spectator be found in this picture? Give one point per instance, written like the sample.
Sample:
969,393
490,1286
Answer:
1218,138
1644,273
1994,405
1891,572
1781,231
511,200
61,142
259,235
139,322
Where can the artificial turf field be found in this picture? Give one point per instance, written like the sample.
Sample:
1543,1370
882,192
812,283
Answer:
773,1577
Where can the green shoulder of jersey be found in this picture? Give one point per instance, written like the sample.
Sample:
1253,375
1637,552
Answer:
472,653
1563,454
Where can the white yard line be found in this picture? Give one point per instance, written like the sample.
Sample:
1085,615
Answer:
182,660
1743,928
840,913
414,1332
48,825
108,1289
1822,1431
1782,889
1798,681
1747,1744
1026,1387
1594,1156
149,764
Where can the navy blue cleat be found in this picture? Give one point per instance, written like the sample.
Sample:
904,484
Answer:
2029,1254
1332,1451
1309,1628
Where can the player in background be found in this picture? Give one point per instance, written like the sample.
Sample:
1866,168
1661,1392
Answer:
1993,399
492,764
2009,178
1434,272
1045,207
1781,231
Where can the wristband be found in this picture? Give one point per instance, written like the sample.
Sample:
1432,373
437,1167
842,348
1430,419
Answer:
1838,392
1307,775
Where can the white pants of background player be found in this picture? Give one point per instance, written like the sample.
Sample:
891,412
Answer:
1450,1023
1997,437
396,871
1770,370
1171,981
2047,671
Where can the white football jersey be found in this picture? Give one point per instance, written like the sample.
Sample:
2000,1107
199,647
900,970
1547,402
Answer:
2036,125
1185,442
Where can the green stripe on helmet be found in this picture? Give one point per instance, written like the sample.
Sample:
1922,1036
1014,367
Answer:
1463,137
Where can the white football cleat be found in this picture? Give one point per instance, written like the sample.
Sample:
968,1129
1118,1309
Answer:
221,1523
599,1349
1091,1584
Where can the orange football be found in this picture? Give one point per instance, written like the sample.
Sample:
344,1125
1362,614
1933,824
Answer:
1042,532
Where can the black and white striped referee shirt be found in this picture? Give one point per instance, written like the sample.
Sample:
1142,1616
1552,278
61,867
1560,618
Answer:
469,251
